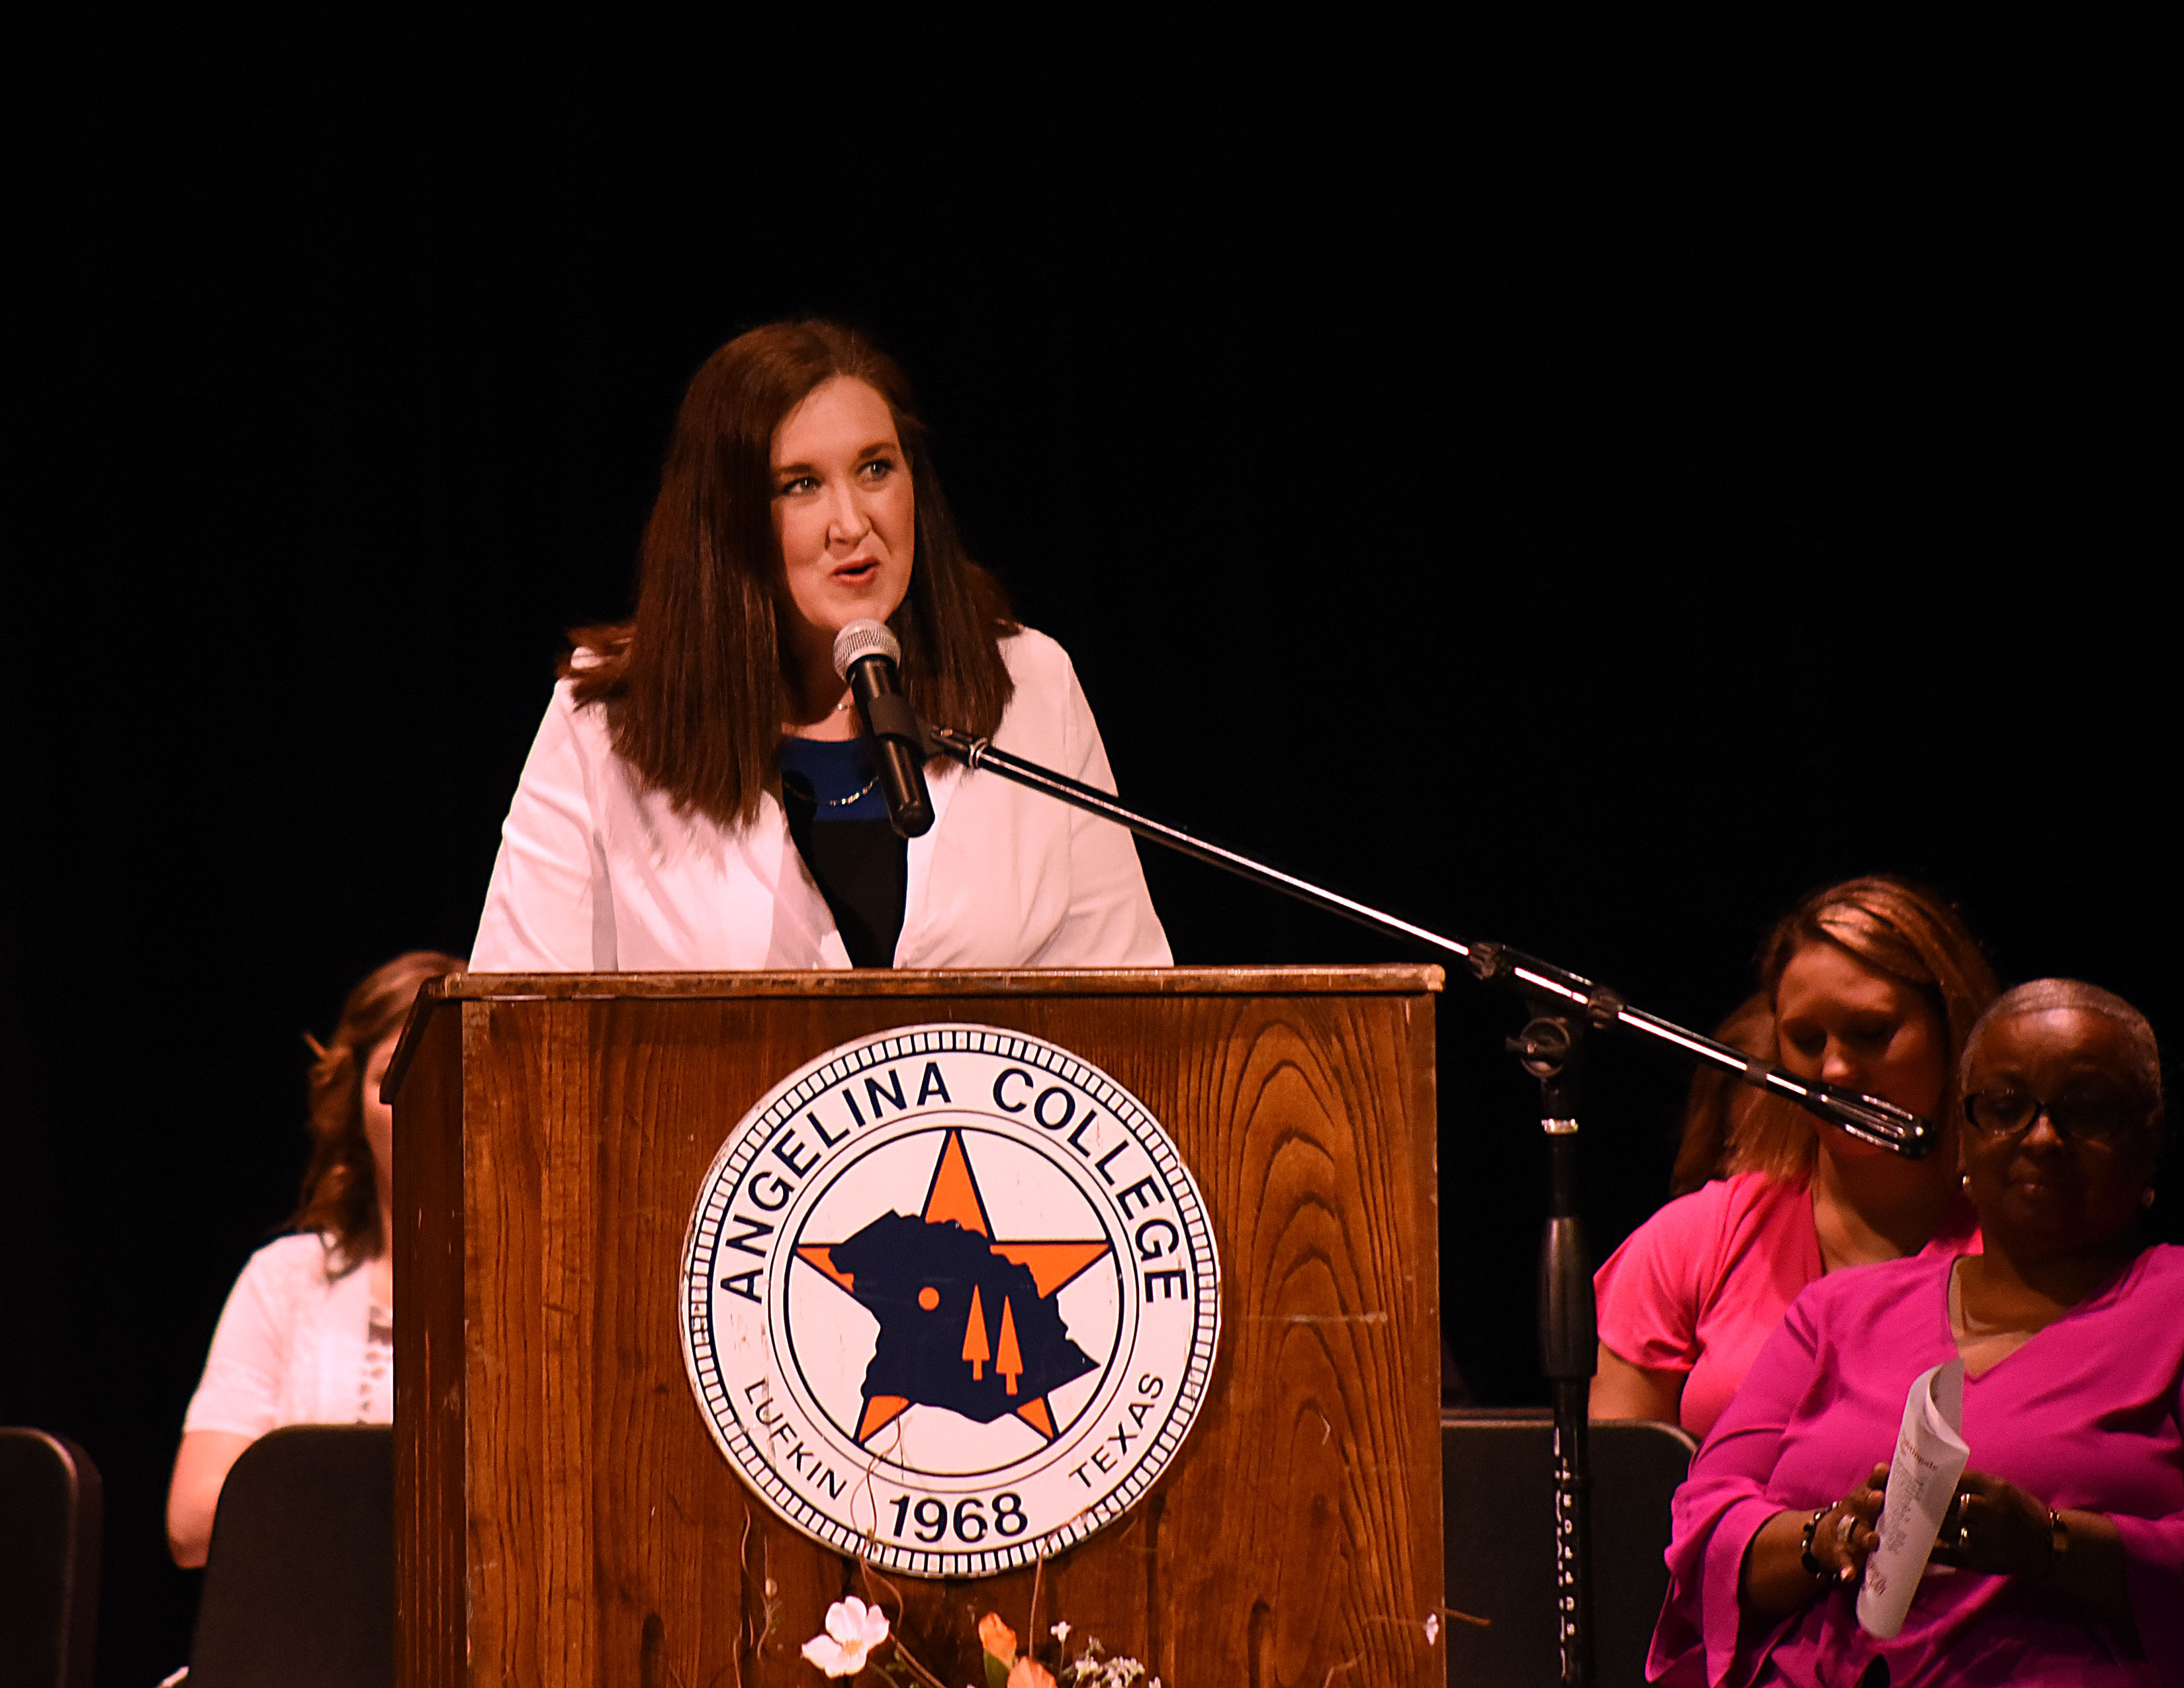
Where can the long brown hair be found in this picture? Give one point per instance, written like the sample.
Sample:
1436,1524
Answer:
693,683
340,1199
1894,927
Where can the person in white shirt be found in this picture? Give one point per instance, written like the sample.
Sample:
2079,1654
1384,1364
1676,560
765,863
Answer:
307,1333
699,797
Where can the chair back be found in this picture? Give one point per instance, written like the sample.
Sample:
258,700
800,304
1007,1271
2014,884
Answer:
299,1583
52,1512
1497,1486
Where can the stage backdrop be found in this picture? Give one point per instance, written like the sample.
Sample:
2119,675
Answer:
1582,491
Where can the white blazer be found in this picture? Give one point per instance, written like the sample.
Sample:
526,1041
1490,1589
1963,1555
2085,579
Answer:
596,875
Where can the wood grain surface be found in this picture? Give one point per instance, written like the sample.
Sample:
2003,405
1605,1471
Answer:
565,1517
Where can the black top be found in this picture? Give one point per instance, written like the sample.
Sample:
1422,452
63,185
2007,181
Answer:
839,820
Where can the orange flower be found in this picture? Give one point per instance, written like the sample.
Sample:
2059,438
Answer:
998,1639
1030,1674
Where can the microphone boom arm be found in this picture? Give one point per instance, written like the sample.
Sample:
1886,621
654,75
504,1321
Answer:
1866,1117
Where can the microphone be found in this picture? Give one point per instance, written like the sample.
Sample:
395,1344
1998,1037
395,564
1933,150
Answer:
866,655
1868,1119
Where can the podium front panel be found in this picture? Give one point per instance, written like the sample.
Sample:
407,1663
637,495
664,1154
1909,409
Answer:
565,1515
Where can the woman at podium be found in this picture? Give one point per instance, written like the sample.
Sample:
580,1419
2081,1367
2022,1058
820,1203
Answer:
307,1333
699,796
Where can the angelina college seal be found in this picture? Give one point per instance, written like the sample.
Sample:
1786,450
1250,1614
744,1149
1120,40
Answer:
950,1300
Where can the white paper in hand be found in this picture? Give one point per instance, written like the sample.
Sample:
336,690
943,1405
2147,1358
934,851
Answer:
1930,1454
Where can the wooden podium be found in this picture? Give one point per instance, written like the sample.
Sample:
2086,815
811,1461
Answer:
563,1514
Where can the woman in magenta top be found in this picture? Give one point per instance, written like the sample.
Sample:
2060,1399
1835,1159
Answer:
1873,985
2068,1568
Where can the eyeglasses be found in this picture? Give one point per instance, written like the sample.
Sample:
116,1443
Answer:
2095,1118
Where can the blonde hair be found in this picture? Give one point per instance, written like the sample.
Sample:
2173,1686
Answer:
1893,928
1718,1099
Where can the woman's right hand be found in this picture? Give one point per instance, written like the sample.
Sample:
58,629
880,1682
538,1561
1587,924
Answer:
1849,1529
1776,1581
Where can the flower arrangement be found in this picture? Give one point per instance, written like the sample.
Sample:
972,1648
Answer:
1092,1668
856,1633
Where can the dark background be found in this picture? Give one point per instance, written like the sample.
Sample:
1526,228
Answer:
1583,488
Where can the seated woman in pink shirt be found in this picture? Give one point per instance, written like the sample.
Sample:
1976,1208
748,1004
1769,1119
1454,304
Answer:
2063,1554
1873,985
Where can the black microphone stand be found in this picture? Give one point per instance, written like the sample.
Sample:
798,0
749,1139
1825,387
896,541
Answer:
1565,1006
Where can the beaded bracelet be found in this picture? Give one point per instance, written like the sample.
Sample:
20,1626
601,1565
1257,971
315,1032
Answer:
1814,1567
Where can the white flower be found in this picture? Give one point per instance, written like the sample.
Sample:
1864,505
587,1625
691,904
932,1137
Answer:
1061,1632
852,1630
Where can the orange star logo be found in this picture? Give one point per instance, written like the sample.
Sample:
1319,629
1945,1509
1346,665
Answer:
989,1335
